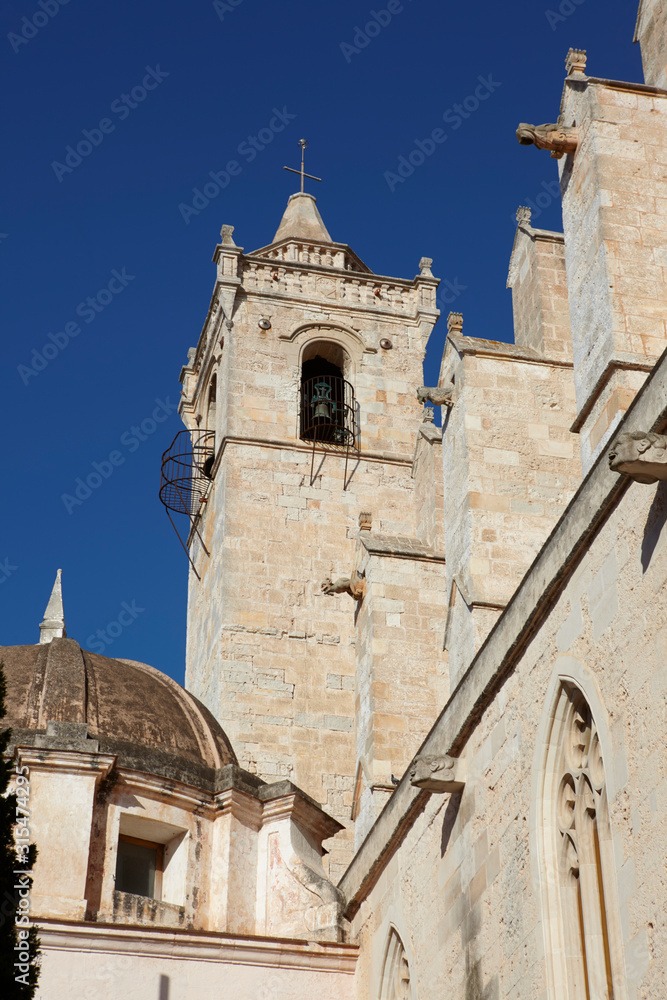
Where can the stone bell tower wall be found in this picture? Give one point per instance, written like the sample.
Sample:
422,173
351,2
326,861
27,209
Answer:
270,653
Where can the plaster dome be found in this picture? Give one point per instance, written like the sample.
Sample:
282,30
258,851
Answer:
131,710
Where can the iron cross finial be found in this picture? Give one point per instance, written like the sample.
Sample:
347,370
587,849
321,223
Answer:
302,143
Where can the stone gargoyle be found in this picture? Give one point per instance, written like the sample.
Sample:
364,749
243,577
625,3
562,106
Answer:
640,455
354,585
439,396
438,774
555,137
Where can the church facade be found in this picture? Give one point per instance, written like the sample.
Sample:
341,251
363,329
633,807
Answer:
420,751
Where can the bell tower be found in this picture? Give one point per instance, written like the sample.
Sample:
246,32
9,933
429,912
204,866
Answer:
303,437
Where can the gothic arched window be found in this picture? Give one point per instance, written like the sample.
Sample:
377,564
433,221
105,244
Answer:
583,935
395,984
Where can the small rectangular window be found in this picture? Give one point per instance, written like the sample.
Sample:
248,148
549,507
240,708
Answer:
139,867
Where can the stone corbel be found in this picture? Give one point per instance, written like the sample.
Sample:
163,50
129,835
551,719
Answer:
438,773
640,455
354,585
438,396
556,138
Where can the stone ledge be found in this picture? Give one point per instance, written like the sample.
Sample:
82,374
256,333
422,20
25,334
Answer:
598,495
399,547
499,349
625,361
172,943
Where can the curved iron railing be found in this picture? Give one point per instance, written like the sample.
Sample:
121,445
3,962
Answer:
328,411
185,476
186,471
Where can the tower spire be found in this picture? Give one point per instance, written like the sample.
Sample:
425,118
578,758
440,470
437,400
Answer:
53,626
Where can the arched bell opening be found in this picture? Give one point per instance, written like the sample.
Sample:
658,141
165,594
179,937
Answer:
210,423
327,406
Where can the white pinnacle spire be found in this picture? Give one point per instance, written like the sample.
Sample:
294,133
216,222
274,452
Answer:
53,626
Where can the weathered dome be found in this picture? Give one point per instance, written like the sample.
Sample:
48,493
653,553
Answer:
132,710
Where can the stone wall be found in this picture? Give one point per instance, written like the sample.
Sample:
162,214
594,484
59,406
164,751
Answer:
467,887
614,192
651,34
267,651
510,466
139,963
401,672
539,291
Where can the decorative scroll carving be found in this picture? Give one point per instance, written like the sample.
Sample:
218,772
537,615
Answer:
439,396
555,137
640,455
438,774
354,585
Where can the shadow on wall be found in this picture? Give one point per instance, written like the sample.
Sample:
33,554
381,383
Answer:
163,993
655,522
449,819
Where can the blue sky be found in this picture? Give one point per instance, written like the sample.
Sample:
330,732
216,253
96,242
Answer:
101,262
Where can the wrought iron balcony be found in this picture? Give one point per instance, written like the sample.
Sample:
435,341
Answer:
185,476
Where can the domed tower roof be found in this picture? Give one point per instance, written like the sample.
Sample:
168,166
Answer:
132,710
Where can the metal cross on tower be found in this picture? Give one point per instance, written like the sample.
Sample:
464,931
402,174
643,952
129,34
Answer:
302,143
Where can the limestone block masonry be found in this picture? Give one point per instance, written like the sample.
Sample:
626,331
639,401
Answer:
271,655
651,31
511,465
614,191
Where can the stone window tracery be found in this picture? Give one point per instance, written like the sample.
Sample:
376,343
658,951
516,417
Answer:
395,971
585,946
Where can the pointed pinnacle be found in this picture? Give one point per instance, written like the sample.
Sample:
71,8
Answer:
53,626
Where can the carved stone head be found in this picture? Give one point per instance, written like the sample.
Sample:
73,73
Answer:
423,769
640,455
